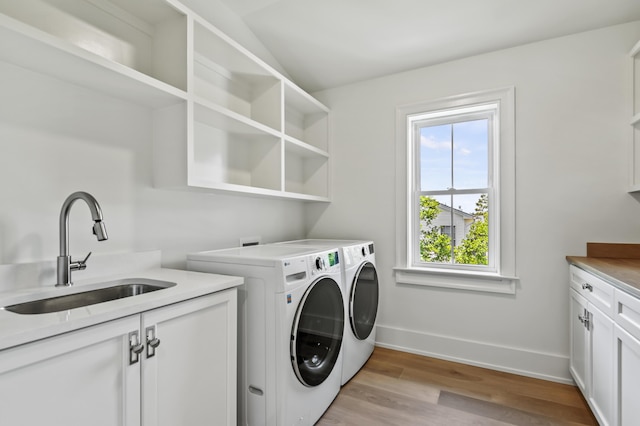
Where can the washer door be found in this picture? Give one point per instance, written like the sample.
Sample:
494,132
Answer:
316,336
363,301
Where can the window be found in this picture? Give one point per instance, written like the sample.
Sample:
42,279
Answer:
450,232
456,192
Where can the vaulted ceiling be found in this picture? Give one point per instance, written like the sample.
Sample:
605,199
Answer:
329,43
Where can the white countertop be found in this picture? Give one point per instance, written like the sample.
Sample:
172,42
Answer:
17,329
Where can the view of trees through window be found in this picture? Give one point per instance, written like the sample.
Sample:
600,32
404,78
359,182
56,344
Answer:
436,244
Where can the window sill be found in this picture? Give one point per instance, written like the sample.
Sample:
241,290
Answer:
462,280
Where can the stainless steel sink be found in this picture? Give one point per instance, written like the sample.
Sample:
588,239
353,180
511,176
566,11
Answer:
121,289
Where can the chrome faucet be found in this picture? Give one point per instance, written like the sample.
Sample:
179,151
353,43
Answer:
65,264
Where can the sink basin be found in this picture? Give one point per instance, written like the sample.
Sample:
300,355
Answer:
120,290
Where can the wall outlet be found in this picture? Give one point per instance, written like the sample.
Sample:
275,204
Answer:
250,241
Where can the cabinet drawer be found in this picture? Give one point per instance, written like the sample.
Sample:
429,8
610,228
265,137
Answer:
595,290
627,313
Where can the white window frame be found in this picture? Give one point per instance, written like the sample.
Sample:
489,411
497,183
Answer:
500,275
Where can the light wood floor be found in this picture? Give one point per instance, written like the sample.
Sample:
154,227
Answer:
396,388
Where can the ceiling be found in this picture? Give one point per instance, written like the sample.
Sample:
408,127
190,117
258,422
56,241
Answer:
328,43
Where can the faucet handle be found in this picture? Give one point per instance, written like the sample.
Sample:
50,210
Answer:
80,265
84,261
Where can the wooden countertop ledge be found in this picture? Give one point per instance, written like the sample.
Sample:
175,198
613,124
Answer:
618,264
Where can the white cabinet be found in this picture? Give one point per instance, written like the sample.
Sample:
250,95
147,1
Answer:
579,348
627,376
79,378
191,378
223,119
601,351
592,350
627,365
104,375
635,120
605,348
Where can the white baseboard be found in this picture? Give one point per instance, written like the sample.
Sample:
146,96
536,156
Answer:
524,362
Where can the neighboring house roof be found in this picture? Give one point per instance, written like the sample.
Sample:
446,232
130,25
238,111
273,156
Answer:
465,215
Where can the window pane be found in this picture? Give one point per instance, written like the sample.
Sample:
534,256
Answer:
454,229
435,157
471,154
472,222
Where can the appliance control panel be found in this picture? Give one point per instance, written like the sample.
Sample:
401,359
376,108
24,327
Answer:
354,255
328,261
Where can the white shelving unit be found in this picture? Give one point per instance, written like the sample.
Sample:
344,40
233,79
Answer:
223,119
135,50
635,120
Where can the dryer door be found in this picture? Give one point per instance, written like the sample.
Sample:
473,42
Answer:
317,332
363,301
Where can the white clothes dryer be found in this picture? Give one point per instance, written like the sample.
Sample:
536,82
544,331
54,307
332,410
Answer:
291,326
361,291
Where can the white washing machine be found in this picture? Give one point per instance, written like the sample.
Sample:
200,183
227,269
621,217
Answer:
361,299
291,326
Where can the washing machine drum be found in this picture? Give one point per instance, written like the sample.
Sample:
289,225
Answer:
363,301
316,336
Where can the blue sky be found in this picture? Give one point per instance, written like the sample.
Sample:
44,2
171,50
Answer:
469,149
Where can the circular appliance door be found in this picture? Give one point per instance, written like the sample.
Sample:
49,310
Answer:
316,336
363,301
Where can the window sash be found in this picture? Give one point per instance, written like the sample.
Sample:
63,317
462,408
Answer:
483,111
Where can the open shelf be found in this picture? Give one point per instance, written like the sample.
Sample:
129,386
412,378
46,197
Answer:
228,77
100,45
306,119
225,152
306,171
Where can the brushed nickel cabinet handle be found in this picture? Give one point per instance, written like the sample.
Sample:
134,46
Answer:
152,341
587,286
135,347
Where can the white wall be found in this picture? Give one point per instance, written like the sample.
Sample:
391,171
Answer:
572,130
56,138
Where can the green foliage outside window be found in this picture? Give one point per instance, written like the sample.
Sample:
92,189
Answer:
436,247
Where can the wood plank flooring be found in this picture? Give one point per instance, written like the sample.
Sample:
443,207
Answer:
397,388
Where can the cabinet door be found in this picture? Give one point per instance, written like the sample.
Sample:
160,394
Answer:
627,376
75,379
602,350
191,377
579,348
